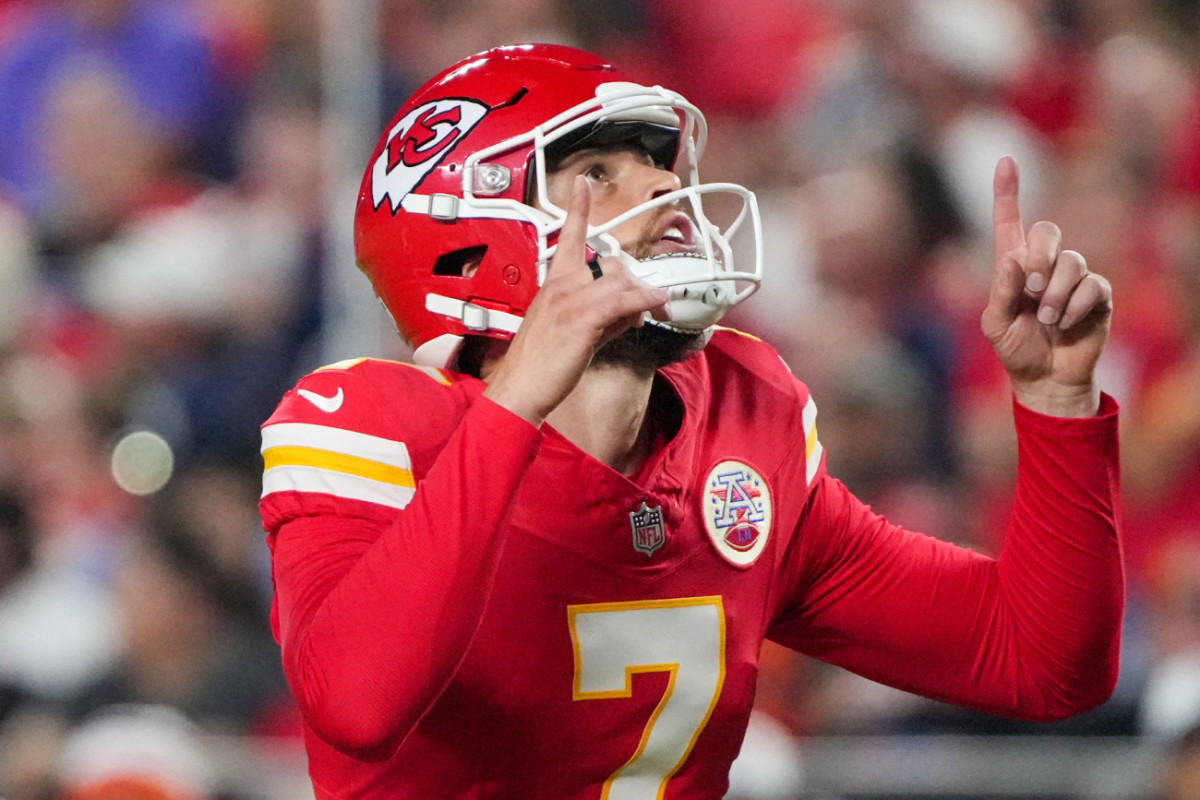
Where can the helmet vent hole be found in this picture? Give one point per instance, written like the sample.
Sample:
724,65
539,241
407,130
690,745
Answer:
460,263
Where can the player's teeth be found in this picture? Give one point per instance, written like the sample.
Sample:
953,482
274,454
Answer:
674,234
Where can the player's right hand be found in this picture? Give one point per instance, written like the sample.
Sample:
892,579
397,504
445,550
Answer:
571,316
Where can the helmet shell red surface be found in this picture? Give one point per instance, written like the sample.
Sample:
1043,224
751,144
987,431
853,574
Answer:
478,103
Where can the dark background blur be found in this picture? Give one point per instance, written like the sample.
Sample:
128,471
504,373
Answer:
176,186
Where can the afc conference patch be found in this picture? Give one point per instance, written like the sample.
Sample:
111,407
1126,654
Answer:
648,531
737,512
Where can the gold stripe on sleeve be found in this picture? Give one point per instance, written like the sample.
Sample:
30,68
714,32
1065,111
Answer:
338,462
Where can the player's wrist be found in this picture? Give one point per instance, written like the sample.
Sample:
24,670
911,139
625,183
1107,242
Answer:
1058,400
516,402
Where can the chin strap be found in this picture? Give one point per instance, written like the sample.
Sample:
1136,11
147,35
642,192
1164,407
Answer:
473,317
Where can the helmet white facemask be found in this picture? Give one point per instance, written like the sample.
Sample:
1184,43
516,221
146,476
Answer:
704,282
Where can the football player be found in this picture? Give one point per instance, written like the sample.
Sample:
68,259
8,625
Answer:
540,561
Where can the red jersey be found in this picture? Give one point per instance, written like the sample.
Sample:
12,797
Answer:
470,607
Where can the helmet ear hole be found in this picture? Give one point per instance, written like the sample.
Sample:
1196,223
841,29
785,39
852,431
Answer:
460,263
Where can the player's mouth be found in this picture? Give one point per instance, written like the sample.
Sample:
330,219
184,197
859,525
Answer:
674,233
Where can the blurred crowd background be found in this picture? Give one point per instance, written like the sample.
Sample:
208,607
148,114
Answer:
176,184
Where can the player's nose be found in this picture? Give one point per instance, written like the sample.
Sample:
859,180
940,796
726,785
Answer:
652,182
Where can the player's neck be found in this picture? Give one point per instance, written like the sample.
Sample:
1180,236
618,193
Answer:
605,415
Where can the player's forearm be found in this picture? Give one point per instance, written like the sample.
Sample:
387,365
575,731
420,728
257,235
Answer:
1034,634
1044,620
1040,627
368,651
1061,565
948,624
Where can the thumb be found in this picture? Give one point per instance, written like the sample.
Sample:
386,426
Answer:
1004,298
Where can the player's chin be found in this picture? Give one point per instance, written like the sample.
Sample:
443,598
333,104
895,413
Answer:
650,347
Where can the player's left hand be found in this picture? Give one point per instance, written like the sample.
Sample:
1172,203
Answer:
1047,316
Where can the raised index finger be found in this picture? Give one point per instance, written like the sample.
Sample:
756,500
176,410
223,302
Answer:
1006,209
572,237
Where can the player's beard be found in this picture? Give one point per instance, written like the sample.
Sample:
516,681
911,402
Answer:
651,346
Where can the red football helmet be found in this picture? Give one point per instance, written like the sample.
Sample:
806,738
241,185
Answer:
453,224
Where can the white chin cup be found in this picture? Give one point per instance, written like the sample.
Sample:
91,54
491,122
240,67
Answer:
697,301
698,306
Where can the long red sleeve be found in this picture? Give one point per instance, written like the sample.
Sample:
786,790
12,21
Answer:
373,625
1034,633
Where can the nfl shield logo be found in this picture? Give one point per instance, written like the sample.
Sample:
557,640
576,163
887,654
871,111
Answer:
648,531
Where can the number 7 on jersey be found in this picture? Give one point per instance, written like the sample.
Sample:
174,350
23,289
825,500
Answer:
684,637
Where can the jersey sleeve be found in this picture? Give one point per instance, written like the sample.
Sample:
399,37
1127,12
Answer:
1034,633
382,562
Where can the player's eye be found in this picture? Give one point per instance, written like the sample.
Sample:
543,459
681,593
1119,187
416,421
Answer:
596,172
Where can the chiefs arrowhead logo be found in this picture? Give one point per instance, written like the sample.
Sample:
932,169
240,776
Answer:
417,143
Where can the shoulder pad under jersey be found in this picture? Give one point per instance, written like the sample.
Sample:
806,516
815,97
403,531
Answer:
780,398
336,443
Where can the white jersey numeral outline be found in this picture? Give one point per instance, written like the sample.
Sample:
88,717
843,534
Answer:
684,637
